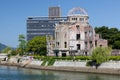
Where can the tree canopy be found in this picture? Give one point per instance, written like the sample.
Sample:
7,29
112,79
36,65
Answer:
6,50
22,44
101,54
37,45
111,34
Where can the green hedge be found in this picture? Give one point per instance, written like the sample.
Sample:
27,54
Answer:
114,58
52,59
39,57
83,58
73,58
63,58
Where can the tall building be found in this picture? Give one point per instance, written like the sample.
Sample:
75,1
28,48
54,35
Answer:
41,26
54,12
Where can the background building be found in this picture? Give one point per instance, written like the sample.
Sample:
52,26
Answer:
41,26
54,12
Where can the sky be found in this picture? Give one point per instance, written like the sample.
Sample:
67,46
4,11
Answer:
14,13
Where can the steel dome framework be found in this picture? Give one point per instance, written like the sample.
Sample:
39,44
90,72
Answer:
77,11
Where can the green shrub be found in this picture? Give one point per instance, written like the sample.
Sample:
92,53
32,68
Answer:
39,57
114,58
48,59
101,54
82,58
51,62
14,53
44,62
63,58
73,58
9,55
88,63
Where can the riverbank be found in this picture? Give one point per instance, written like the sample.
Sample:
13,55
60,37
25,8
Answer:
76,67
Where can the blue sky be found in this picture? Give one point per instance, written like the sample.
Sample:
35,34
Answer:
13,14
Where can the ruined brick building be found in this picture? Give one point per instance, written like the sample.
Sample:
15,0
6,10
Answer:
75,36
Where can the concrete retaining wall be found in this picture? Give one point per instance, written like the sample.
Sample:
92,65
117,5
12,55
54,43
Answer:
36,62
70,64
110,64
111,67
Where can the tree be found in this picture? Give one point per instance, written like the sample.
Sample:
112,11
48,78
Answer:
14,52
22,44
111,34
117,44
100,55
6,50
37,45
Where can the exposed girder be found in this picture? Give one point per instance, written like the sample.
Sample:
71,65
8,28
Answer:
77,11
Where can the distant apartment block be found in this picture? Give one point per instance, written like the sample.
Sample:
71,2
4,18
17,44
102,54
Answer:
54,12
42,26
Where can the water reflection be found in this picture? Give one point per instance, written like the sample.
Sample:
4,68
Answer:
96,77
14,73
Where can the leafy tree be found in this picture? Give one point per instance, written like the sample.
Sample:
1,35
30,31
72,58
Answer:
22,44
111,34
37,45
117,44
14,52
100,54
6,50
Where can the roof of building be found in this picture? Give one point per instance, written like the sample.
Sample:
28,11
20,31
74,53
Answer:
77,11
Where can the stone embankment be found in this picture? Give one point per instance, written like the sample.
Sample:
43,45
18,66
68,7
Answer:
111,67
78,69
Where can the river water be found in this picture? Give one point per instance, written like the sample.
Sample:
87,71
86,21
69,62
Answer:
14,73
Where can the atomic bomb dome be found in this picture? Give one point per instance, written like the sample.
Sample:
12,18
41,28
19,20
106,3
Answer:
78,15
77,11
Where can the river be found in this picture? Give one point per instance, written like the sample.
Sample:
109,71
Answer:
15,73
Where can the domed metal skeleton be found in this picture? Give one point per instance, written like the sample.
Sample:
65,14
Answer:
77,11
